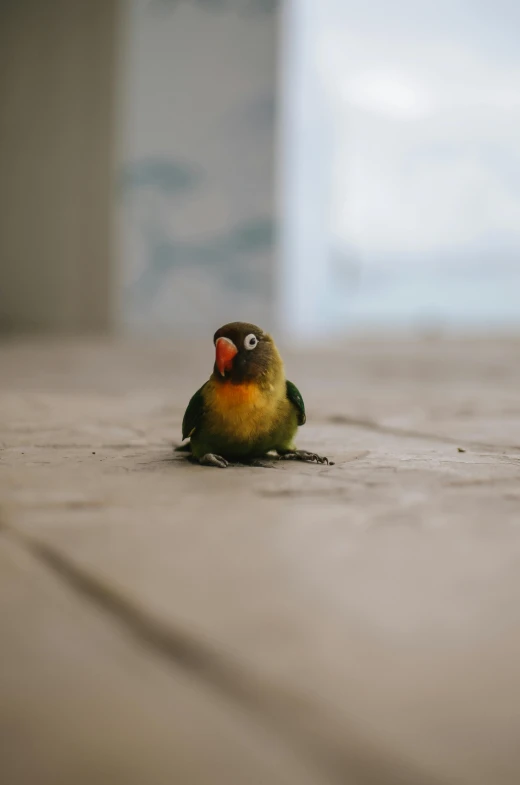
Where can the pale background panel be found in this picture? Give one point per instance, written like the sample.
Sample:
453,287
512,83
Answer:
197,143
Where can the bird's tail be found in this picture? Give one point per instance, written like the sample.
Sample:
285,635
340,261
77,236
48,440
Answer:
183,447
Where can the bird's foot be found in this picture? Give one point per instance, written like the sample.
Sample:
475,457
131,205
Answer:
210,459
306,457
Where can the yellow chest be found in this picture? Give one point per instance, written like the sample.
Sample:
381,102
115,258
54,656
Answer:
243,410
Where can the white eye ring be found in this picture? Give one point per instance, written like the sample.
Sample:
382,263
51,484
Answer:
250,341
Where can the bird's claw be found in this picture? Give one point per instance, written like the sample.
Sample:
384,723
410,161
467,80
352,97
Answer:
306,457
210,459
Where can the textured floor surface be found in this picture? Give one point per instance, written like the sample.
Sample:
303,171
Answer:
167,623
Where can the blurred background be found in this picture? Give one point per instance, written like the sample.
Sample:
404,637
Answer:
316,166
324,168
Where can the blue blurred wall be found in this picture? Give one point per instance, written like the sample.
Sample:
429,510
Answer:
196,164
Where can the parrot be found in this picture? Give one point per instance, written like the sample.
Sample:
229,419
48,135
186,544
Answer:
247,408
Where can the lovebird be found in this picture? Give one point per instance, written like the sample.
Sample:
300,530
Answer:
247,408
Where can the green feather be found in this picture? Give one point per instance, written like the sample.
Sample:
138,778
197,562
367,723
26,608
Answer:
296,399
194,413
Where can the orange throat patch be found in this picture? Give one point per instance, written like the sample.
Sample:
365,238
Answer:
227,394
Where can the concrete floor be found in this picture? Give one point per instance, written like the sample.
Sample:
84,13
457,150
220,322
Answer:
167,623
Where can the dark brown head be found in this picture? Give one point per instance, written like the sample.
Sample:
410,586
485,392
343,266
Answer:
244,353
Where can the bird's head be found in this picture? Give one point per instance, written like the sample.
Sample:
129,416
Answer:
244,353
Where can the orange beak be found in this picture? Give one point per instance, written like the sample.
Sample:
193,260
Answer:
225,352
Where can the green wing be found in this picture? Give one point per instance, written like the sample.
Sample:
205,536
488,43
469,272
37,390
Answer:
296,399
193,414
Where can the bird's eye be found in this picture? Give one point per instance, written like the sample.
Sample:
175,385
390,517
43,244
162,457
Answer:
250,341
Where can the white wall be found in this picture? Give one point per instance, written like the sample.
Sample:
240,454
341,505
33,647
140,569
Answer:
417,107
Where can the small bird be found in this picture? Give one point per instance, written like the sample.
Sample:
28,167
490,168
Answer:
247,408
